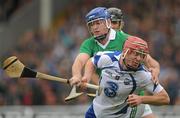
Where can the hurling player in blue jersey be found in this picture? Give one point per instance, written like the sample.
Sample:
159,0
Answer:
123,74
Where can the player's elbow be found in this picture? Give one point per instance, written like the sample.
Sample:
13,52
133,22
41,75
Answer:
163,98
166,99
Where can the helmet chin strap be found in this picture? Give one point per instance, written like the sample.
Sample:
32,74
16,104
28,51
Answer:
101,37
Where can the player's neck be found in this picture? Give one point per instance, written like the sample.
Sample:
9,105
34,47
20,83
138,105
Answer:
104,41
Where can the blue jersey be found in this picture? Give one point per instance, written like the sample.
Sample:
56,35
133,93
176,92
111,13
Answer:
116,84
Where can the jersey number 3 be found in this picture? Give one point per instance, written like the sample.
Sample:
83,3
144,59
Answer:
111,89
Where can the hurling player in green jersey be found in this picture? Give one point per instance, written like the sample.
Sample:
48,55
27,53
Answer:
103,38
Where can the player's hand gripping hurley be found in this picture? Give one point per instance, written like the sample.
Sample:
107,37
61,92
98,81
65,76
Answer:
15,69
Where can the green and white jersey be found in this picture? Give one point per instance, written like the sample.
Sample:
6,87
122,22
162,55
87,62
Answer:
115,43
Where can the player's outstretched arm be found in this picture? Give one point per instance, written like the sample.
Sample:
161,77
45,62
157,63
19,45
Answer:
160,98
77,67
89,70
88,73
154,67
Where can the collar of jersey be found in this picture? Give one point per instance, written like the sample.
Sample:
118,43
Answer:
112,35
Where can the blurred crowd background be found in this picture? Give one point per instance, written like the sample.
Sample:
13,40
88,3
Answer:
53,50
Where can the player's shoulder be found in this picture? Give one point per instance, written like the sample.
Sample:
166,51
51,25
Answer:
106,58
108,52
89,40
143,72
121,37
122,33
111,54
143,69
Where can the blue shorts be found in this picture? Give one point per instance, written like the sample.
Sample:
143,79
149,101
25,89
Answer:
90,113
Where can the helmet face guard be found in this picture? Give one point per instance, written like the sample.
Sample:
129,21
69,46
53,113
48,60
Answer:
116,18
98,16
137,44
96,21
116,14
102,25
136,47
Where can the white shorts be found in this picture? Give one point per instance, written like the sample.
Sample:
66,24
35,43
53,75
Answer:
147,110
143,110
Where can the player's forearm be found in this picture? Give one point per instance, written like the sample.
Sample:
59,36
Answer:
162,99
152,63
89,70
78,65
77,68
155,64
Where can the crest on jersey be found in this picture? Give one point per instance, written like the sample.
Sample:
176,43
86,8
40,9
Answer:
127,81
117,77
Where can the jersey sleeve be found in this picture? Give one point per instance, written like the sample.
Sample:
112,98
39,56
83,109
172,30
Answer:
86,47
149,85
101,60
